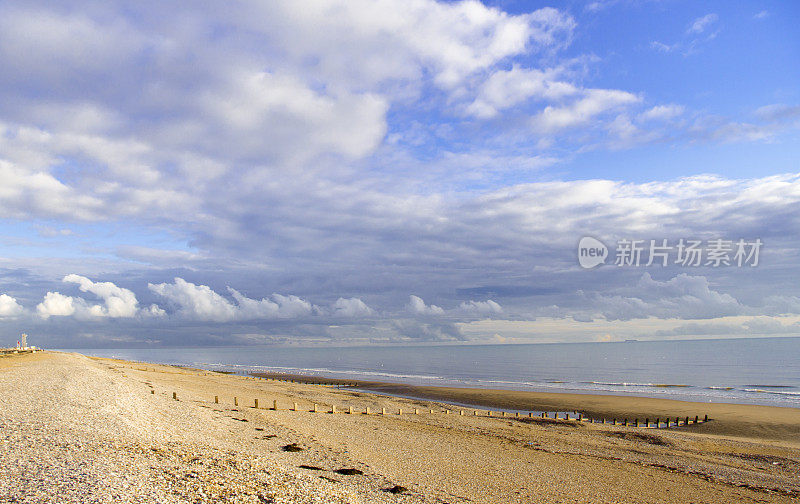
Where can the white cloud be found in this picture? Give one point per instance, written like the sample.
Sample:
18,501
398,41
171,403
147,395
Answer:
662,112
506,88
56,304
119,302
9,307
351,308
683,296
487,307
592,103
700,24
200,302
417,306
196,301
761,15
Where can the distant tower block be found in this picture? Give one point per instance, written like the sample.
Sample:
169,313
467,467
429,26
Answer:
24,341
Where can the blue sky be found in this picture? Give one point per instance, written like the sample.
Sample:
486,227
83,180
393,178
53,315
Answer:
393,172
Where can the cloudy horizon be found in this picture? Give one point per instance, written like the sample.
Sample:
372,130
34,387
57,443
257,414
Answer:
373,172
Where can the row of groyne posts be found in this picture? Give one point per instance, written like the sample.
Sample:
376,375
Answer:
576,416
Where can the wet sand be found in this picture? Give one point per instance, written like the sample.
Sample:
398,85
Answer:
739,420
75,429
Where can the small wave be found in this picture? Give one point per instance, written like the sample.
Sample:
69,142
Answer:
627,384
719,388
776,392
771,386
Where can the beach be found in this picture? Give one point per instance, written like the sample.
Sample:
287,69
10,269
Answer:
79,429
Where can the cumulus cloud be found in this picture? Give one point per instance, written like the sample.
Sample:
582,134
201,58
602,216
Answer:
417,306
351,308
683,296
487,307
56,305
118,302
196,301
9,307
200,302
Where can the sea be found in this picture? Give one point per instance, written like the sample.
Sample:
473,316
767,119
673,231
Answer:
762,371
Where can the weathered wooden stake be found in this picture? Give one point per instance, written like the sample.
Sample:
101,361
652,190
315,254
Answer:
400,411
705,418
333,409
275,404
175,395
216,399
416,411
255,403
294,406
366,412
383,411
315,407
349,410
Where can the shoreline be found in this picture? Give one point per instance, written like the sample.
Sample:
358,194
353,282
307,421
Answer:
726,419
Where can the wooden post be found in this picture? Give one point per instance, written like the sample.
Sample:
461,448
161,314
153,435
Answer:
315,407
275,404
474,412
175,396
383,411
333,409
625,422
431,412
696,419
294,406
349,410
447,412
216,399
366,412
658,423
416,411
255,403
647,422
530,414
705,418
461,412
687,421
400,411
489,413
152,391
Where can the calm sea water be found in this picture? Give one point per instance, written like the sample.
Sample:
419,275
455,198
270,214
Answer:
758,371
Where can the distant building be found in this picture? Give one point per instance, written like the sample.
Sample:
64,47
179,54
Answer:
24,341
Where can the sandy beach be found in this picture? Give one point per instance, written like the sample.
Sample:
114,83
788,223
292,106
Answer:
77,429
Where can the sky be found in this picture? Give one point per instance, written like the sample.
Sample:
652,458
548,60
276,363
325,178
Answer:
391,172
